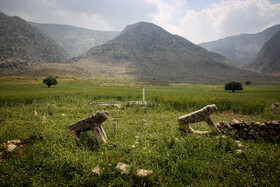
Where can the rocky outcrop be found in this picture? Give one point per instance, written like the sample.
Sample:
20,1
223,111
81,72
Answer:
251,130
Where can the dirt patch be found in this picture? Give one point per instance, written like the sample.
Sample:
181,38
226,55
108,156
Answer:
235,116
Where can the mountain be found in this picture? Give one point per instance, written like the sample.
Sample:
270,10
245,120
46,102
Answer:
241,49
22,45
74,40
147,52
268,59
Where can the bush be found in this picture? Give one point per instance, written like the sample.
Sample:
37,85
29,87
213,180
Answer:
50,81
248,83
233,86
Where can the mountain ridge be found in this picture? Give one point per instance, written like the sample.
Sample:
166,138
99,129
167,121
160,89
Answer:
268,59
151,53
243,48
23,45
75,40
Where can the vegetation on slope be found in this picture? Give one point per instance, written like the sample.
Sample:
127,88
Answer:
150,53
241,49
23,45
49,157
74,40
268,59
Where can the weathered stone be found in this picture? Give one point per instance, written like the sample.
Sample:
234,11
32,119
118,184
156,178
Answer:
96,171
143,172
11,147
263,126
92,123
235,121
236,125
263,133
124,168
252,133
15,142
239,143
35,113
275,106
239,151
118,106
198,116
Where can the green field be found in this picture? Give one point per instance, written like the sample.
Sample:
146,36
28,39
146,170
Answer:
50,157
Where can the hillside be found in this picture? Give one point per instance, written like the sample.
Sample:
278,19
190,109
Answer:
147,52
23,45
241,49
74,40
268,59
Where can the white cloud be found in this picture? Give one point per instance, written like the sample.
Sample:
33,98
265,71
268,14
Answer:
92,14
225,18
228,18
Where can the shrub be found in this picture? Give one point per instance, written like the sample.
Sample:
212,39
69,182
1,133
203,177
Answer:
233,86
248,83
50,81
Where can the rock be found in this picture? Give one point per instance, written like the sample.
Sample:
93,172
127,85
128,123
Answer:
93,123
44,119
96,171
252,133
263,133
118,106
235,121
63,114
144,121
143,172
35,113
11,147
124,168
224,136
15,142
133,146
239,143
275,106
239,151
201,132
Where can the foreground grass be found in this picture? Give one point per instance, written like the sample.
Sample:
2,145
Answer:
50,157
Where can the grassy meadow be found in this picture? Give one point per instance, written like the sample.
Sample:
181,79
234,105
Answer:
145,137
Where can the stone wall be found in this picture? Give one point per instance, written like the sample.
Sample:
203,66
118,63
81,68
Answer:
251,130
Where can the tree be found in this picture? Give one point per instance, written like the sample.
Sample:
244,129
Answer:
233,86
248,83
50,81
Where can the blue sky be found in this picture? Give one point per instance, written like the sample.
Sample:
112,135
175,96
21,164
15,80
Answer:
197,20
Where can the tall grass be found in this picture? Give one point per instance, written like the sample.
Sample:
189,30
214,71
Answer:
50,157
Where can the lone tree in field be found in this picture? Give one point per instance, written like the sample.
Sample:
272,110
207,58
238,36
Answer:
248,83
50,81
233,86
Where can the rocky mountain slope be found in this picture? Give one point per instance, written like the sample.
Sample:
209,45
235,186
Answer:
148,52
241,49
268,59
74,40
22,45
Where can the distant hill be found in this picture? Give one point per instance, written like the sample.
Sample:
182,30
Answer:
241,49
147,52
268,59
22,45
74,40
